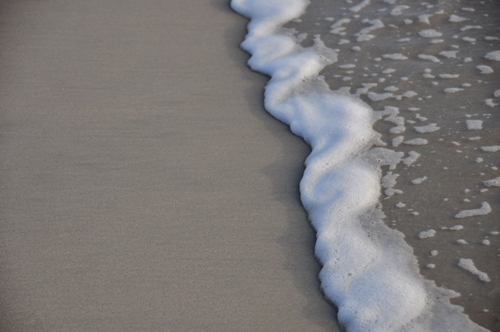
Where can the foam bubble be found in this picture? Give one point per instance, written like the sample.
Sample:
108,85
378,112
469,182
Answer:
468,265
419,180
492,182
449,54
449,75
483,210
474,124
470,27
430,128
485,69
457,19
417,141
428,57
430,33
453,90
427,234
493,148
413,156
398,10
495,56
395,56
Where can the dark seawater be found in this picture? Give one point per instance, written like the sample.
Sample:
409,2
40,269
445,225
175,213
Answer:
440,52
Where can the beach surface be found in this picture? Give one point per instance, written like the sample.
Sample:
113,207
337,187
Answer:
143,186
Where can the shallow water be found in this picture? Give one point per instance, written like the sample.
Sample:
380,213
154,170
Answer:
427,35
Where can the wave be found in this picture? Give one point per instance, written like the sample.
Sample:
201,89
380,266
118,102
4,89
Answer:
369,272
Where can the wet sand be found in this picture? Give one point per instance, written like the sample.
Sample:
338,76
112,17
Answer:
143,187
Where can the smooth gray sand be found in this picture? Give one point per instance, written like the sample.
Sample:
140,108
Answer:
143,187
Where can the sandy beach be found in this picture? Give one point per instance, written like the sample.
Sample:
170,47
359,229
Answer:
143,186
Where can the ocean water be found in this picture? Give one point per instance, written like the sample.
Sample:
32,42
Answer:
399,100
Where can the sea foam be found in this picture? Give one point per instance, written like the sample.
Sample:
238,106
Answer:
368,272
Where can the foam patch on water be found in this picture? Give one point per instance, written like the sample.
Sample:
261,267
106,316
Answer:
368,272
483,210
468,265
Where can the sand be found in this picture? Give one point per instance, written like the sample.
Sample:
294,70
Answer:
143,186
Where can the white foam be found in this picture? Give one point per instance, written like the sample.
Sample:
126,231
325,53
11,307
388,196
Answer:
485,69
395,56
427,234
389,180
495,56
428,57
430,33
457,19
419,180
474,124
493,148
470,27
368,271
379,96
424,18
493,182
483,210
422,118
417,141
398,10
391,88
453,90
364,35
337,27
362,5
449,75
468,265
430,128
490,102
456,228
449,54
409,94
413,156
396,141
